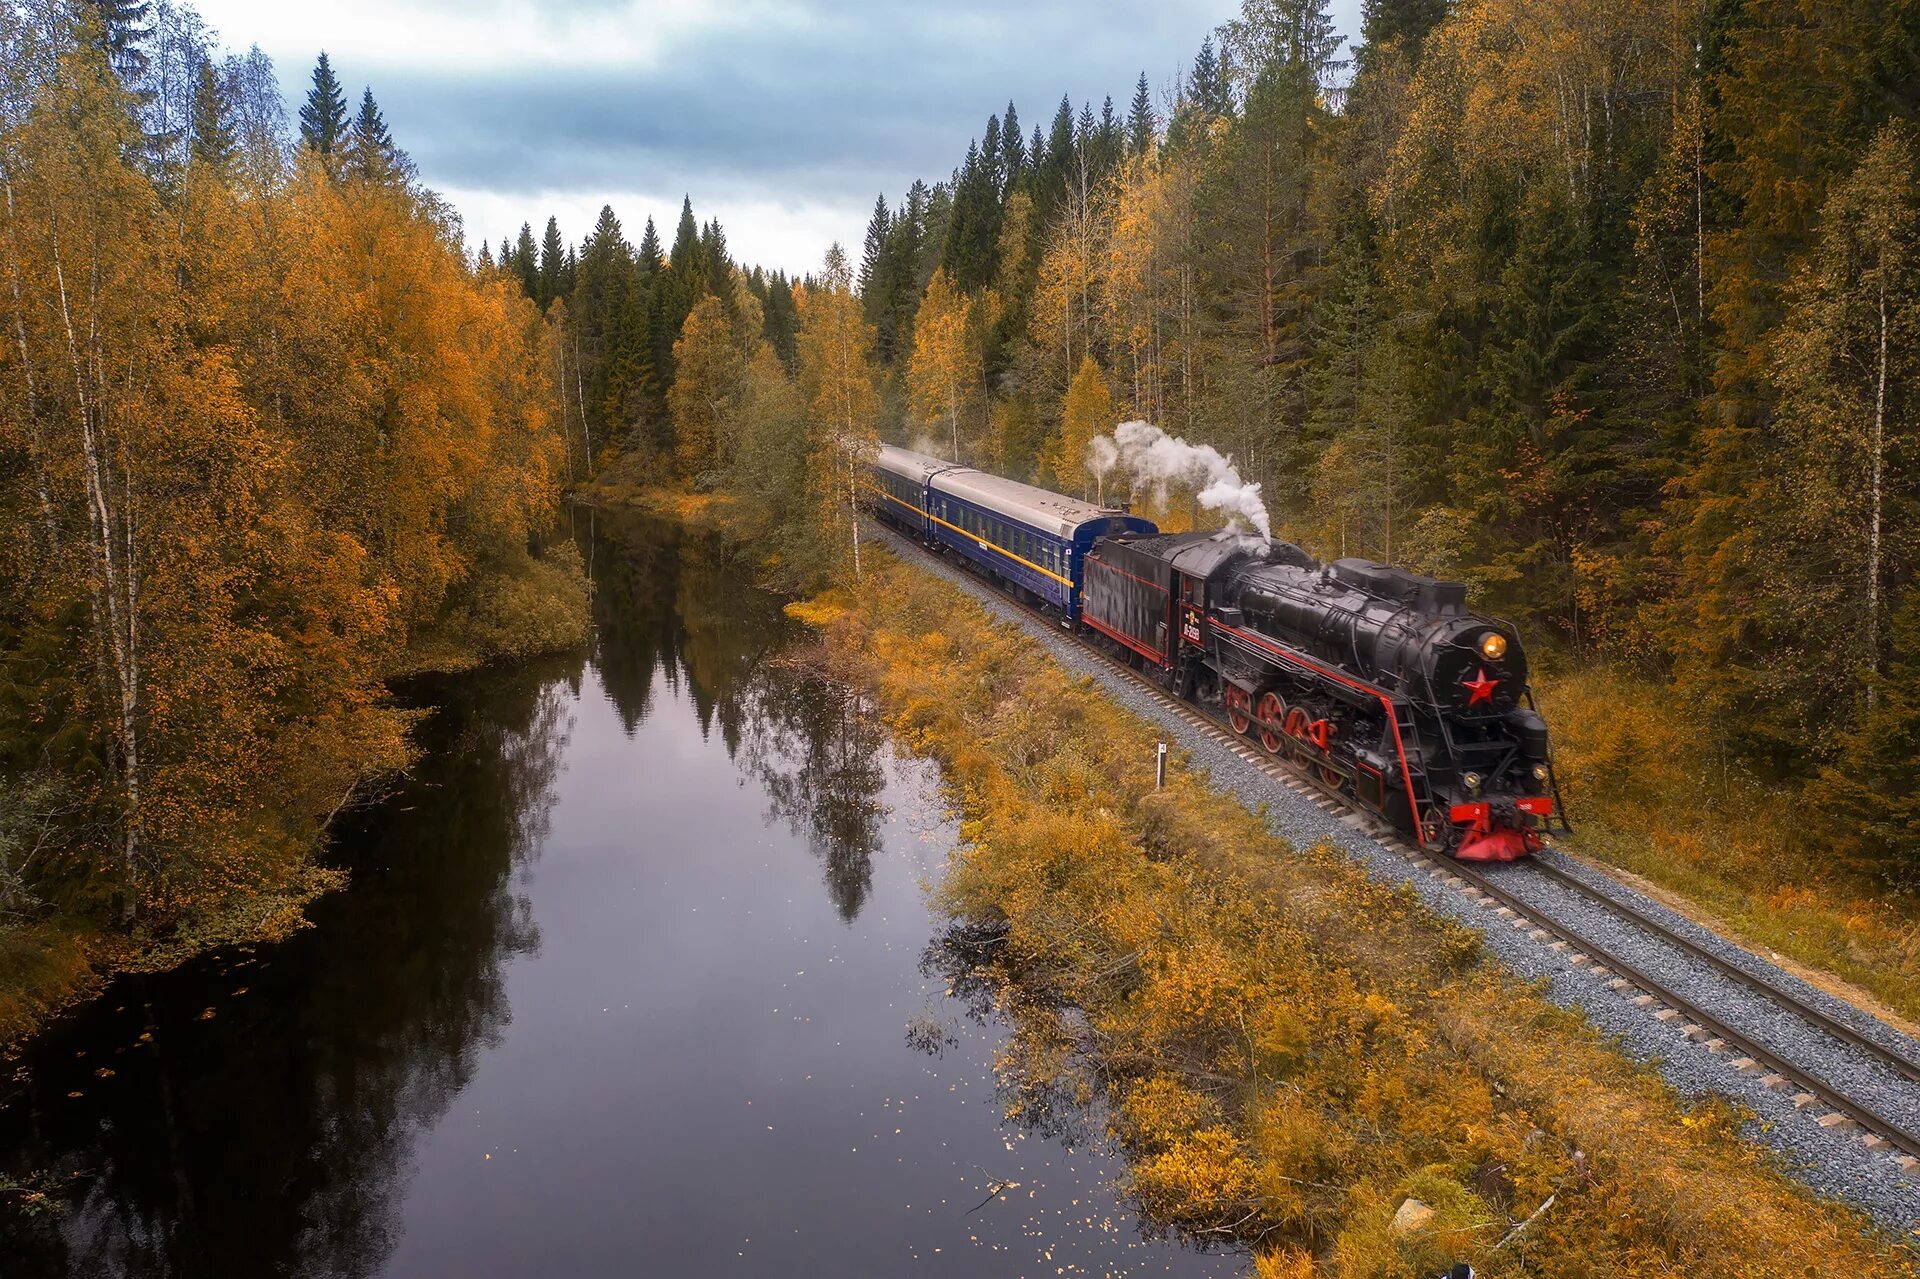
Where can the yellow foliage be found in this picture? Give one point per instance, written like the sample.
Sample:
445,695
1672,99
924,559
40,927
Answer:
1290,1048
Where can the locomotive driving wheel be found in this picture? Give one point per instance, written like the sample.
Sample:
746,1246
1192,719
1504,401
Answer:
1297,727
1239,707
1272,714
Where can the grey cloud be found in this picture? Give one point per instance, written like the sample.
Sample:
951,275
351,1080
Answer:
859,98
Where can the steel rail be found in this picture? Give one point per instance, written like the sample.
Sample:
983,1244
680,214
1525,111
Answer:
1869,1119
1792,1003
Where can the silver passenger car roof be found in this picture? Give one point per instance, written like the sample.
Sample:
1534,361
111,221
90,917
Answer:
910,465
1035,507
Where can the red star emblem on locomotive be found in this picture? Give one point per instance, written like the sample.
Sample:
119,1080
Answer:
1480,688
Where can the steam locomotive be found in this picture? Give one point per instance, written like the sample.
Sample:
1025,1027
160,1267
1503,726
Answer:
1377,681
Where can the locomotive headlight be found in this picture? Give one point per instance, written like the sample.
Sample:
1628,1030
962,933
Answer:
1539,772
1472,783
1493,646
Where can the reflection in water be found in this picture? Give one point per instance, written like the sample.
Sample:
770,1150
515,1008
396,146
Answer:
684,601
702,1065
293,1107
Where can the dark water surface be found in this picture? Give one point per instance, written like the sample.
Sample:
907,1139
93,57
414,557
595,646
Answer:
623,986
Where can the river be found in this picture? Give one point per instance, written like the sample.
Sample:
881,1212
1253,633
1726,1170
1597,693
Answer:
630,980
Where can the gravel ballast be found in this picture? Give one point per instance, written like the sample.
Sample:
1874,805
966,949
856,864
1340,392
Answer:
1837,1163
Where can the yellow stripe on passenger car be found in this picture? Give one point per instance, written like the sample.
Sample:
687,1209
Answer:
1064,581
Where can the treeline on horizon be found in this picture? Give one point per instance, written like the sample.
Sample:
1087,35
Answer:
1610,309
267,440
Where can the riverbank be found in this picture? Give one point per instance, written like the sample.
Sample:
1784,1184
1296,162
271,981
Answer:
1292,1051
521,607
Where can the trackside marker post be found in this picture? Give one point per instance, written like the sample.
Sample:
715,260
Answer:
1160,767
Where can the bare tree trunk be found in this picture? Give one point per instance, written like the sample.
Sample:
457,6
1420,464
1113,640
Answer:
110,577
580,402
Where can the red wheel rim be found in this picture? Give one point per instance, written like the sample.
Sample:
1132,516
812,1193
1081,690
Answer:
1330,777
1237,700
1297,722
1272,714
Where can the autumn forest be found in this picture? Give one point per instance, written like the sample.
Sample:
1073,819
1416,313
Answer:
1609,310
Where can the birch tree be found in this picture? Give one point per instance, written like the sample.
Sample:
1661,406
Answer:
837,380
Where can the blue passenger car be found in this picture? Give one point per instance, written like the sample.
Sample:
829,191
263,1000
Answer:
1026,536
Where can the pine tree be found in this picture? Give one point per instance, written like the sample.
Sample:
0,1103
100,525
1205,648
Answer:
553,265
323,119
370,151
1141,125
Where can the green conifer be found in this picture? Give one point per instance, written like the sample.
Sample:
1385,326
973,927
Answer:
370,150
1141,124
553,265
526,261
213,146
323,119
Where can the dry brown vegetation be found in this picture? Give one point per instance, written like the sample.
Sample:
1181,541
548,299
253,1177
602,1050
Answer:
1650,793
1288,1049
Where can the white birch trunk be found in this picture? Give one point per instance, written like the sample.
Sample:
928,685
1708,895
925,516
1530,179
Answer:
1876,496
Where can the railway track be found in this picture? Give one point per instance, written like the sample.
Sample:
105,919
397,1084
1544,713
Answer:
1831,1107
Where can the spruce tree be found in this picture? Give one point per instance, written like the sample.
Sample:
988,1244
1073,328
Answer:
1383,22
1109,141
1141,124
647,254
991,159
780,324
1013,147
213,146
553,265
973,233
526,262
685,256
1872,794
123,33
323,119
713,248
370,151
873,259
1207,85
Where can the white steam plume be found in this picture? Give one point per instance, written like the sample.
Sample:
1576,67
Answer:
1153,459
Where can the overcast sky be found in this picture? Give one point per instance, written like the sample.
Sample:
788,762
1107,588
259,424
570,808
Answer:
782,117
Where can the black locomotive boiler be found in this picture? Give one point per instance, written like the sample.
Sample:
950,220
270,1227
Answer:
1379,681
